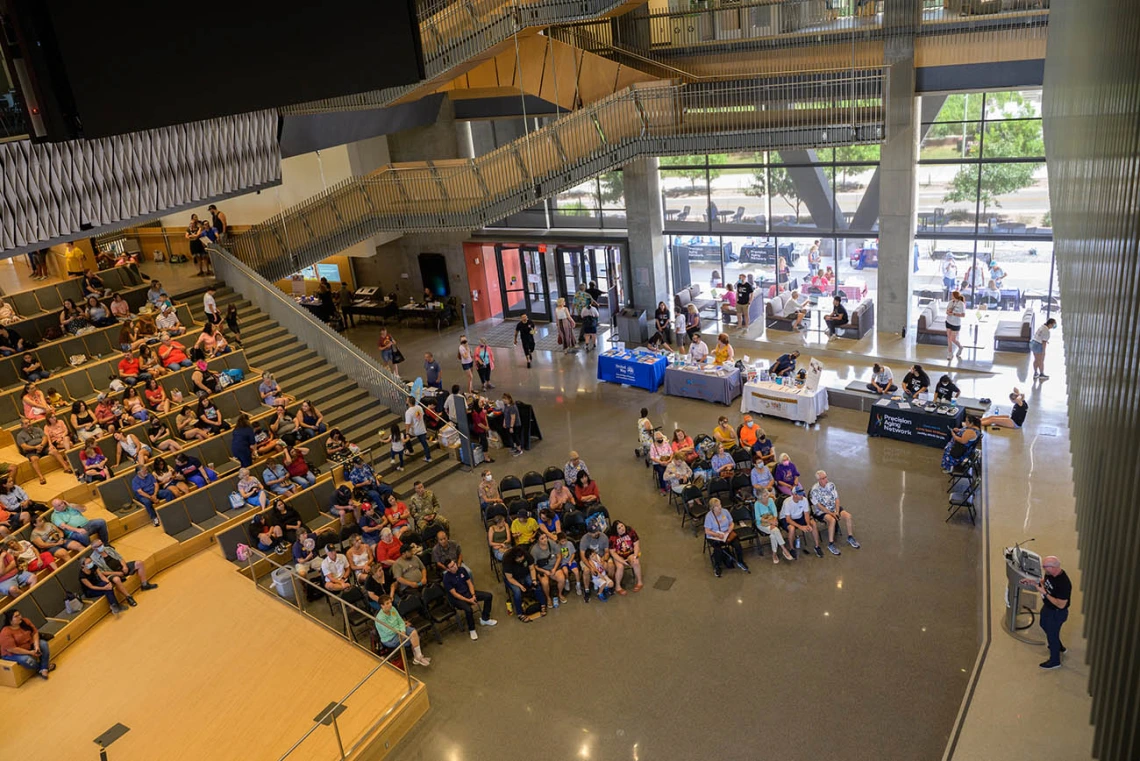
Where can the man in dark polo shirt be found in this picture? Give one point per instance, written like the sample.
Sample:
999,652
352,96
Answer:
1056,591
838,317
743,297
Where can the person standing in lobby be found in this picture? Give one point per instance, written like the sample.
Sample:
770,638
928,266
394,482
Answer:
743,298
1056,592
1040,340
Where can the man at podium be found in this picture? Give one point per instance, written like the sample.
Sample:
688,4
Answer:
1056,591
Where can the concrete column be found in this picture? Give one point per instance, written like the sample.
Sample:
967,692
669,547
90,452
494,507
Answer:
646,241
434,141
898,189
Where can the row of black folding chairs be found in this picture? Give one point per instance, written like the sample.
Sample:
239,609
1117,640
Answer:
531,484
965,480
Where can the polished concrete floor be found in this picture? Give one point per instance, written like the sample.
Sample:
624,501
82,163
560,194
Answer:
725,666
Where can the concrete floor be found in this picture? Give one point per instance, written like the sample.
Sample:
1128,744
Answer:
892,629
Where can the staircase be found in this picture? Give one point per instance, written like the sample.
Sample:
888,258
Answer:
304,374
463,34
651,119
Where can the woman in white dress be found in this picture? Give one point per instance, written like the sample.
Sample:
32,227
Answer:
565,327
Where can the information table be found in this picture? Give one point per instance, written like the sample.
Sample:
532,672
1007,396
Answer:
635,367
786,401
912,423
691,381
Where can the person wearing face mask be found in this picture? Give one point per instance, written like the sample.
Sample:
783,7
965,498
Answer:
761,477
748,432
762,449
488,491
787,475
660,454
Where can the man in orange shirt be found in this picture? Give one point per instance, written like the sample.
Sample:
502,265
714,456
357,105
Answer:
129,370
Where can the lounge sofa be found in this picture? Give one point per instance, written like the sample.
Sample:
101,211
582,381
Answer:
861,319
931,327
1015,335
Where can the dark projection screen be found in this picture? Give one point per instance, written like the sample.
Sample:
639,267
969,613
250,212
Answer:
135,64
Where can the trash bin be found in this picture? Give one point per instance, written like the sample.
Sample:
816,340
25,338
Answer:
631,328
283,583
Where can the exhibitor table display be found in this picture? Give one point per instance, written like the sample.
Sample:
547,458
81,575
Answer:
632,367
708,382
785,400
918,422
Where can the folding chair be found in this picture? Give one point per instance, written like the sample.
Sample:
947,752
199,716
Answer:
746,531
533,483
964,498
742,489
550,475
510,486
695,508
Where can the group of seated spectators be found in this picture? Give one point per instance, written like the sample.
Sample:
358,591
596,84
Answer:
781,507
568,537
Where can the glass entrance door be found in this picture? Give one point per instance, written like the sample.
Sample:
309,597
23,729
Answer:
522,275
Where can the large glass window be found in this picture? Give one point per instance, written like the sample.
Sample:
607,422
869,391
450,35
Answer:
984,225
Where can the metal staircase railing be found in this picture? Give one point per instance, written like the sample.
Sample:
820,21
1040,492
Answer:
663,118
454,33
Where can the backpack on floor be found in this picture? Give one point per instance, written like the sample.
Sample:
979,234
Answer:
530,606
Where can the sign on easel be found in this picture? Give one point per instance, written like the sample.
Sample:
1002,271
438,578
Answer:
298,283
814,371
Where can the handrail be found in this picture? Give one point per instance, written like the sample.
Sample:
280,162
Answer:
840,108
450,36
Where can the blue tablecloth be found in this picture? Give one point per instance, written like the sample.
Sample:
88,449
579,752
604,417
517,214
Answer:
625,368
912,423
694,384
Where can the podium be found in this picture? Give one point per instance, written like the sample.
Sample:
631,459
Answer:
1022,572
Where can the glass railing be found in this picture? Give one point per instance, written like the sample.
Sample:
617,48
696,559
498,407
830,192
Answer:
452,33
823,108
348,721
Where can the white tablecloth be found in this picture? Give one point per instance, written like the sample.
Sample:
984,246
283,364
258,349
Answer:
769,398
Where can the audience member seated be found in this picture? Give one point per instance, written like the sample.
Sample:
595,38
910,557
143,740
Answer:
524,528
17,502
721,537
363,477
192,470
595,544
95,584
134,406
795,515
129,338
77,526
544,553
465,598
150,364
11,342
156,397
98,313
723,353
211,342
172,354
882,380
787,475
210,417
568,561
660,455
761,477
20,641
305,557
747,432
826,505
94,464
119,307
168,323
724,434
277,479
962,442
334,570
32,370
625,550
499,536
115,568
409,576
204,379
30,558
722,463
310,422
445,551
130,371
785,365
767,523
47,537
389,624
146,491
425,507
586,491
396,515
359,559
946,390
762,449
683,446
35,404
678,475
522,577
56,400
916,381
376,586
168,478
128,444
1016,416
33,443
573,466
250,489
345,507
186,422
797,307
270,392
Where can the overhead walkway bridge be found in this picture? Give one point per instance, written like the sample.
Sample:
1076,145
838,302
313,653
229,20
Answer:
662,118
